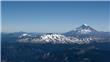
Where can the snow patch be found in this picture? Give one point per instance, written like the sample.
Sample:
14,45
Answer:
85,24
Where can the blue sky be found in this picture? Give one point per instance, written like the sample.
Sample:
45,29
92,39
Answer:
31,16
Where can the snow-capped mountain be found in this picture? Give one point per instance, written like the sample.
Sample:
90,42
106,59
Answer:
54,38
84,29
48,38
79,35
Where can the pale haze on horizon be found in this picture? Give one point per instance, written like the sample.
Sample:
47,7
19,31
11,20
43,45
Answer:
48,16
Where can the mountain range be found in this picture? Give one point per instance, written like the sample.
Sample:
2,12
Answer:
81,35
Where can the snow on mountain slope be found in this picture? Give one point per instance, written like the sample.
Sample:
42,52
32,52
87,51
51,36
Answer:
54,38
24,35
49,38
84,29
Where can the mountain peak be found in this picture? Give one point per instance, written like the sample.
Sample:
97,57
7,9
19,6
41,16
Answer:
84,25
83,29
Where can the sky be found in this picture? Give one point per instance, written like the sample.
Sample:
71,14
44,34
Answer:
54,16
